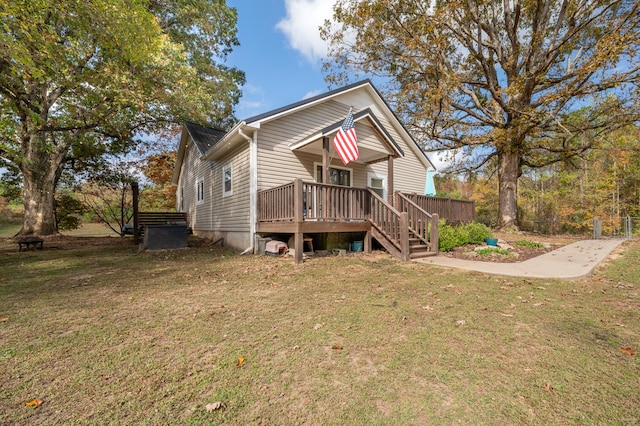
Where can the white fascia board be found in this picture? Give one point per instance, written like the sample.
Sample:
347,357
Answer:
182,147
228,142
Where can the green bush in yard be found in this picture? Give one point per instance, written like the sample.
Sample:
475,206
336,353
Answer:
478,232
450,236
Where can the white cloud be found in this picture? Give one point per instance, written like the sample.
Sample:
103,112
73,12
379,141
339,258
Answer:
301,26
313,93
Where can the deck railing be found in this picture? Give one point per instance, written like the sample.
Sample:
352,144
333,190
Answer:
277,204
390,224
422,224
398,228
453,211
324,202
319,202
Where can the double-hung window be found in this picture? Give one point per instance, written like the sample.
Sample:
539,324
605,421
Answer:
200,191
227,180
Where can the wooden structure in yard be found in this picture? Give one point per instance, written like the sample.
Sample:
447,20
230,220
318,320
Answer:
161,230
404,228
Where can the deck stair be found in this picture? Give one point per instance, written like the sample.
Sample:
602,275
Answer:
402,224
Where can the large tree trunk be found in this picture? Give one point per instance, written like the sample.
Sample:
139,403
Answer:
40,170
39,215
508,173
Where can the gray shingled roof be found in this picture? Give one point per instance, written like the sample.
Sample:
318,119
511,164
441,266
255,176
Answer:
204,137
311,100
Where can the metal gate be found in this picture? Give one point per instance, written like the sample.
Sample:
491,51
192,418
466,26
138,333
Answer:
631,227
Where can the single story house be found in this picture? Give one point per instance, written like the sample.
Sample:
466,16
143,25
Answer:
278,174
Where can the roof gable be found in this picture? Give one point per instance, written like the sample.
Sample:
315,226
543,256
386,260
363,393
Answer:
204,137
256,121
367,113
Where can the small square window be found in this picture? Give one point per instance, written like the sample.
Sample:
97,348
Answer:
378,184
227,180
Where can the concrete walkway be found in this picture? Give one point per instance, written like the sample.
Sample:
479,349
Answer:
572,261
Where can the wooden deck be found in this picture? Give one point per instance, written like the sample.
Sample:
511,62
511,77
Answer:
405,229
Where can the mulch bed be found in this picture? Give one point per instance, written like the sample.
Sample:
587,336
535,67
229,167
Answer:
518,254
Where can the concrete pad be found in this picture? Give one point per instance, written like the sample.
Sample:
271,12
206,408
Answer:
572,261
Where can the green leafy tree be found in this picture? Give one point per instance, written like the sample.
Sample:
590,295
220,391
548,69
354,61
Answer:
69,211
84,78
496,79
10,183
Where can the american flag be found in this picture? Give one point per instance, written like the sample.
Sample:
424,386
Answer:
345,141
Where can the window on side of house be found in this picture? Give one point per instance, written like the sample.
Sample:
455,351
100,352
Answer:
200,191
227,180
377,183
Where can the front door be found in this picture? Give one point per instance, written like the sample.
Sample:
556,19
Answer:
337,176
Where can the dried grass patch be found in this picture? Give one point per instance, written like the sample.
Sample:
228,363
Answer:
102,333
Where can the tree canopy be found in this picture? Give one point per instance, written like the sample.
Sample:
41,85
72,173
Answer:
495,79
80,78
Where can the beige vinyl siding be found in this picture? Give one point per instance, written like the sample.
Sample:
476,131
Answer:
192,170
231,213
409,172
278,165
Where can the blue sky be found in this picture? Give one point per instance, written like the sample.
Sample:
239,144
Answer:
280,51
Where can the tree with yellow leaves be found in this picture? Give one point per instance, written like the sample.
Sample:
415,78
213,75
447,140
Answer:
491,79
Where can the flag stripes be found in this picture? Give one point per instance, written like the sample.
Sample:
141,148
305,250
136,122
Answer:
345,141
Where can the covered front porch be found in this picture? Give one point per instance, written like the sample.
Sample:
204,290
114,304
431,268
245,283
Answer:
404,228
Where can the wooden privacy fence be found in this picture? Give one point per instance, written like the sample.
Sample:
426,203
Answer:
453,211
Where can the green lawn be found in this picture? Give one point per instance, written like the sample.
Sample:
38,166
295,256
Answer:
104,334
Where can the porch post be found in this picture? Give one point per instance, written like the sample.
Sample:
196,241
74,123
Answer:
367,242
404,236
325,175
298,240
325,159
390,197
134,200
433,238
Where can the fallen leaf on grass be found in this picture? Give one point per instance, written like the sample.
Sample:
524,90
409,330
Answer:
215,406
548,388
240,361
3,319
33,403
628,351
336,347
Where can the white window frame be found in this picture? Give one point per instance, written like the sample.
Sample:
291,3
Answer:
200,191
374,175
226,167
315,172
